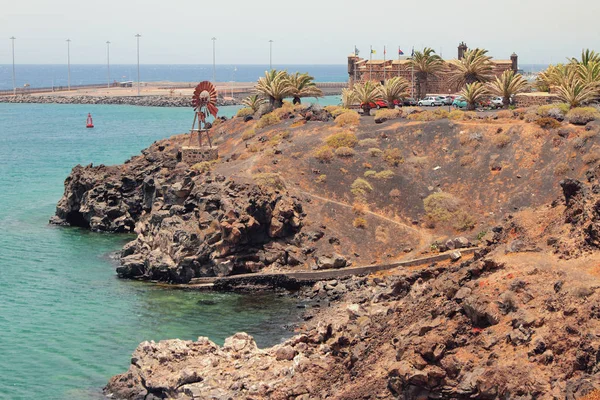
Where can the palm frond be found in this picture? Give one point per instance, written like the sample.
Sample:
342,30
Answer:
475,66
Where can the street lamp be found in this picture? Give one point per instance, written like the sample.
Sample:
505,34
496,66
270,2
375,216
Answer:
214,39
69,62
107,64
13,69
270,54
138,36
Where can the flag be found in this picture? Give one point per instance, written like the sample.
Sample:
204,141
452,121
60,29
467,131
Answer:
373,51
413,52
356,51
384,53
400,52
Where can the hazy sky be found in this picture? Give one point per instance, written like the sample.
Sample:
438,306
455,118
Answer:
304,32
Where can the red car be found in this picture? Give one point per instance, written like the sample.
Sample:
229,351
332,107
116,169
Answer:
377,104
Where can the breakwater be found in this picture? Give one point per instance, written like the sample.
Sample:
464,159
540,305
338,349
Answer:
148,101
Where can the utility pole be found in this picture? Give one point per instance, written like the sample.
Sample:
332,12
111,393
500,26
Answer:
13,66
214,39
270,55
69,62
370,62
138,36
107,64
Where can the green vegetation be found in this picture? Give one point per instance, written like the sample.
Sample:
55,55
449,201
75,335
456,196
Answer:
348,98
582,115
253,102
388,113
360,188
367,93
303,86
272,181
244,112
359,223
507,85
423,116
474,67
557,111
425,64
501,140
203,166
456,115
395,88
321,178
473,93
442,207
347,118
267,120
345,152
375,152
367,143
342,139
275,87
385,174
248,134
369,173
324,154
393,156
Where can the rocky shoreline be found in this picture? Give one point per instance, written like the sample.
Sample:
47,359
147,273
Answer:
144,101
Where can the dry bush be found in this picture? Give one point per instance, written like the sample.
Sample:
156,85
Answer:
204,166
324,154
375,152
385,174
345,152
267,120
501,140
269,181
359,208
467,160
395,193
284,111
343,139
417,161
456,115
382,234
586,135
561,169
411,110
321,178
548,123
463,221
347,118
393,156
369,173
470,115
556,111
368,143
331,109
591,158
244,112
531,117
388,113
441,206
582,115
360,187
299,122
248,134
253,148
429,115
595,395
359,223
505,114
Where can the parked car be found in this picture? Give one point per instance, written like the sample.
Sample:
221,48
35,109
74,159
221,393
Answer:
431,101
377,104
459,102
497,102
409,101
447,100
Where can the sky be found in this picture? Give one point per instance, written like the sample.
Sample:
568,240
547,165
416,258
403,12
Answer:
304,32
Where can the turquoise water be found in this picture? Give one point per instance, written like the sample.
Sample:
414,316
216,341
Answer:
66,322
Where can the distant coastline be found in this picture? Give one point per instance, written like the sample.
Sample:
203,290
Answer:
146,101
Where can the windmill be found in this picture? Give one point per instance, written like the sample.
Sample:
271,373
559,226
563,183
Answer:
204,102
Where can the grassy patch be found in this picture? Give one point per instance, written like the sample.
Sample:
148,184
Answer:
393,156
582,115
248,134
244,112
556,111
343,139
348,118
360,188
345,152
506,114
368,143
388,113
272,181
369,173
502,140
267,120
456,115
321,178
385,174
375,152
324,154
204,166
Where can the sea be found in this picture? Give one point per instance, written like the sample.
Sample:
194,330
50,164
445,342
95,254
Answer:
84,74
67,323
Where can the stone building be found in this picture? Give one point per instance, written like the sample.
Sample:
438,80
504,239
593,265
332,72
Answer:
361,70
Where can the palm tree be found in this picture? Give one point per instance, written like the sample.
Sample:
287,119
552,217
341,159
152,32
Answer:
274,86
425,63
348,97
254,102
587,56
475,66
303,86
394,89
473,93
574,91
367,93
552,76
507,85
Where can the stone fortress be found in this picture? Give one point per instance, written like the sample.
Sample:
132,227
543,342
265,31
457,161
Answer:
361,70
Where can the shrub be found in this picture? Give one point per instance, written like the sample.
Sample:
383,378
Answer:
582,115
269,181
426,116
392,156
244,112
203,166
267,120
505,114
321,178
417,161
470,115
375,152
467,160
343,139
285,111
359,223
359,208
531,117
385,174
501,140
388,113
339,112
331,109
591,157
395,193
248,134
369,173
411,110
441,206
344,152
347,118
324,154
561,169
360,187
462,221
456,115
367,143
556,111
548,123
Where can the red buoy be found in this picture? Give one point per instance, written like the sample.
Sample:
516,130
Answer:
89,123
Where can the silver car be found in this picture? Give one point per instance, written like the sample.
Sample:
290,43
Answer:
431,101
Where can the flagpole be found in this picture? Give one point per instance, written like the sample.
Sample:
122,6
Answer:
412,73
355,61
370,63
398,60
384,64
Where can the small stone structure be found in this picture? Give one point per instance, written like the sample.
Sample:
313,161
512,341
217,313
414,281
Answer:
193,155
535,99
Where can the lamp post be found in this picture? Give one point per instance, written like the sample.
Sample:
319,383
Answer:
138,36
214,40
69,63
270,55
13,66
107,64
